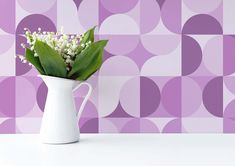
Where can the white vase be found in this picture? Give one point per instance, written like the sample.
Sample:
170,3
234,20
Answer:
60,118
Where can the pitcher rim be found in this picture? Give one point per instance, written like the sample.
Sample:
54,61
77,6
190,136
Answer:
57,78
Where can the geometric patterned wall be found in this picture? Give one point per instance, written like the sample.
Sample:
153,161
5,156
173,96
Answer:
169,66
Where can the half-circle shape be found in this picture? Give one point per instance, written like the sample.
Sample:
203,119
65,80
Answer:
41,96
191,55
202,24
150,96
228,54
34,21
213,96
173,126
229,110
8,99
8,126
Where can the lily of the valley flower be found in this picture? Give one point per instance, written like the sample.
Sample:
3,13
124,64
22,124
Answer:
66,45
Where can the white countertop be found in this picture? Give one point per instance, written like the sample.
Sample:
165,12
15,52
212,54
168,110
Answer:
120,150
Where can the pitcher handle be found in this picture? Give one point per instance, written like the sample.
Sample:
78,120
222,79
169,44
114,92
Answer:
78,114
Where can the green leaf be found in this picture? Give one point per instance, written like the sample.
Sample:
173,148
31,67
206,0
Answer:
90,71
88,61
29,55
52,63
93,67
88,36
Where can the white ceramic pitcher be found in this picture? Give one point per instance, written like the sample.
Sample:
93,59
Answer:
60,118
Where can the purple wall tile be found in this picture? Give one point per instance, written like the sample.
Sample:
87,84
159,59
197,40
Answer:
168,67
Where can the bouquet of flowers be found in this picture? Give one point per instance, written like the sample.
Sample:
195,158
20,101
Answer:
74,57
